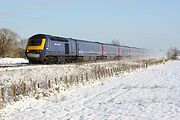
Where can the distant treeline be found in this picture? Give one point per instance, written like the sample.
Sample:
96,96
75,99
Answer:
173,53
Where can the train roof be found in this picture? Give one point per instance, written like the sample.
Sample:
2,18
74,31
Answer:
66,40
110,44
85,41
39,36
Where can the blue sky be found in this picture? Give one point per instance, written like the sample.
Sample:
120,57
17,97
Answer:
153,24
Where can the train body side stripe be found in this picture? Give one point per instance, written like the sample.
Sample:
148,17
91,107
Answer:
118,51
102,49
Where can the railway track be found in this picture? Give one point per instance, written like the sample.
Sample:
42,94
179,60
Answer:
15,65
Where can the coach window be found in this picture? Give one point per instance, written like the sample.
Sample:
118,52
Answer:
59,39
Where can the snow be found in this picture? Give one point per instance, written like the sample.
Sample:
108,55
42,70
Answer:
11,61
178,57
151,93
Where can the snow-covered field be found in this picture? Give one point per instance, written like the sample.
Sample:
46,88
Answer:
152,93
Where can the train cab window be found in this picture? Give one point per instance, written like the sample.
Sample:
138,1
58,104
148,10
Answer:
34,42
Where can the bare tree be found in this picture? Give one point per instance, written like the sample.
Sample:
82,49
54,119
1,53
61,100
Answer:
22,43
21,47
172,53
8,42
116,42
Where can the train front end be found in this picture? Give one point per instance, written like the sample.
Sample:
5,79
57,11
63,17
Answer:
35,50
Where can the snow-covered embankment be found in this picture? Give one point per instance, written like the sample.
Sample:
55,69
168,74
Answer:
152,93
12,61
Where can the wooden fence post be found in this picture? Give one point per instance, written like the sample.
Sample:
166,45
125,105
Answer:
61,79
86,76
106,72
77,80
34,87
116,70
103,71
82,79
96,75
24,89
111,72
66,80
71,79
14,91
2,93
146,65
49,84
38,85
56,81
100,74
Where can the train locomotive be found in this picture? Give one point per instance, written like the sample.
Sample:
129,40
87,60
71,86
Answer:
47,49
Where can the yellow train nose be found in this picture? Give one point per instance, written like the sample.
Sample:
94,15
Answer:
37,47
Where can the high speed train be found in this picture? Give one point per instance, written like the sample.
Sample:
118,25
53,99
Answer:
48,49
